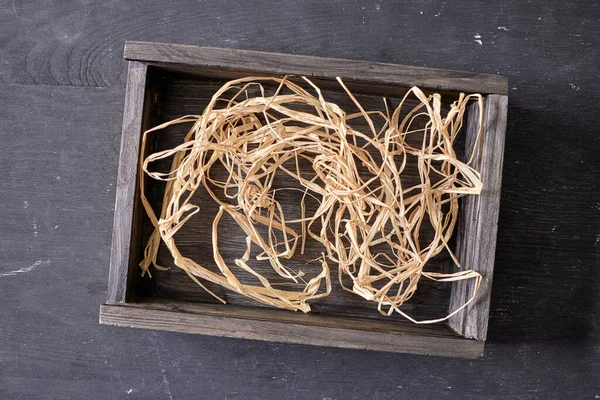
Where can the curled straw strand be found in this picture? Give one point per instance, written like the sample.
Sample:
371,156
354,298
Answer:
256,138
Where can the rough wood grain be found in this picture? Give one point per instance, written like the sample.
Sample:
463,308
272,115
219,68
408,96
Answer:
478,223
313,319
124,255
217,62
286,332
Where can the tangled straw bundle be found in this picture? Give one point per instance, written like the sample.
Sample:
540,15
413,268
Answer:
367,221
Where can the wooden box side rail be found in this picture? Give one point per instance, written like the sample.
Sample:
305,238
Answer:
240,326
246,62
123,265
478,219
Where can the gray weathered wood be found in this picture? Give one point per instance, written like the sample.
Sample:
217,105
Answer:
241,326
477,227
175,83
245,62
122,274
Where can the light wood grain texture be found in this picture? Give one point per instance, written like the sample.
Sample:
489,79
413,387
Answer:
478,224
215,61
123,269
298,318
241,326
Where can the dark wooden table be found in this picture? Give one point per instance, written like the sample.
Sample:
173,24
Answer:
62,80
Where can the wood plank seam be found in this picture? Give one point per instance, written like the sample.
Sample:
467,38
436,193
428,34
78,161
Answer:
126,183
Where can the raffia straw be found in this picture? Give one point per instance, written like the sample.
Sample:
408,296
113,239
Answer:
253,137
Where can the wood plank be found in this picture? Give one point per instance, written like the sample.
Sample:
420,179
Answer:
121,277
313,319
478,224
247,62
285,332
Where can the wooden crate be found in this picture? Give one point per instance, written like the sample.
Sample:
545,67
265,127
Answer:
166,81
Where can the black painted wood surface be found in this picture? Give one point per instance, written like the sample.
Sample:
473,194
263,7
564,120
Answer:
543,333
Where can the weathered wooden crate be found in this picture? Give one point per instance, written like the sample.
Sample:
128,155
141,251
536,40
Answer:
166,81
